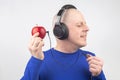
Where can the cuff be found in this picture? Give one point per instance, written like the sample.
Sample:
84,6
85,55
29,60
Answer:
99,77
34,61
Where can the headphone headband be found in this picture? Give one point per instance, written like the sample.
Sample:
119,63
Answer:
61,11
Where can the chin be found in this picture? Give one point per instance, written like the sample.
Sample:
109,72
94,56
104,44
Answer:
83,45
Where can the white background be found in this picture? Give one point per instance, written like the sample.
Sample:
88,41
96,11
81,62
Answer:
17,17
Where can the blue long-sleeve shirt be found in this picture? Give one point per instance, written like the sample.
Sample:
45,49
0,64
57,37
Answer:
60,66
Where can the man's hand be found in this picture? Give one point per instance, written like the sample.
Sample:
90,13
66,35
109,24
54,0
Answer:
95,65
35,46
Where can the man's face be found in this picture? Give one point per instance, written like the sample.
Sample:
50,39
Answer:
77,28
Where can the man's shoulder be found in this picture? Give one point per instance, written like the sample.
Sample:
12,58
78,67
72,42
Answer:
47,51
87,52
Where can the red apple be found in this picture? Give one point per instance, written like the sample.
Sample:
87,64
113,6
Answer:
40,29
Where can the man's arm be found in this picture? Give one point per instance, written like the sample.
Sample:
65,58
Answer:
33,66
32,69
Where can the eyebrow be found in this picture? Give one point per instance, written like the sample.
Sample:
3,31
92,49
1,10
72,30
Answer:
79,23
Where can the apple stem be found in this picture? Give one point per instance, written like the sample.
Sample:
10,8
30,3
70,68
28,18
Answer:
36,24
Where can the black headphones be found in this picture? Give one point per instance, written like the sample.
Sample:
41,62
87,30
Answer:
60,29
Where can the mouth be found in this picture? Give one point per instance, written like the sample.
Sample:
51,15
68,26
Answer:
83,36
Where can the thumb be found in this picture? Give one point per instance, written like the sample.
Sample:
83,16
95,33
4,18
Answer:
88,55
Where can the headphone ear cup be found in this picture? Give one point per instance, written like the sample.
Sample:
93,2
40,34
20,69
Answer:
61,31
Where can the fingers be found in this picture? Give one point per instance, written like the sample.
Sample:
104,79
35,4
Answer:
36,35
95,65
95,60
35,43
35,46
33,39
93,57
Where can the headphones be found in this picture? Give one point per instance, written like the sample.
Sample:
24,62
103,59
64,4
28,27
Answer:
60,29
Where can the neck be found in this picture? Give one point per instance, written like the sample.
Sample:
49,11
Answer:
66,47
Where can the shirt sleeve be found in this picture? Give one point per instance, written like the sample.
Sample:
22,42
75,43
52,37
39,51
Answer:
101,76
32,69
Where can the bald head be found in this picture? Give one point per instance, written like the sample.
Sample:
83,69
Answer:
72,16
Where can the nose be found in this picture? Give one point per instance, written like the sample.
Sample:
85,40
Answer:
86,28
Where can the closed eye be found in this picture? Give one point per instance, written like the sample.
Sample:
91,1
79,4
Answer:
81,24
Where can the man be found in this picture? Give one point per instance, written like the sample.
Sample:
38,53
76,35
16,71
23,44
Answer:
66,61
